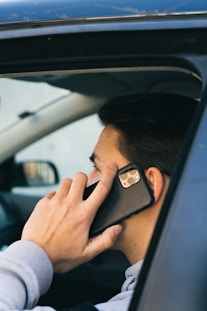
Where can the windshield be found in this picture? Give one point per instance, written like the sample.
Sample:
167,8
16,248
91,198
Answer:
18,97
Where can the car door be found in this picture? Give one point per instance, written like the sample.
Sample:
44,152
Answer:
174,274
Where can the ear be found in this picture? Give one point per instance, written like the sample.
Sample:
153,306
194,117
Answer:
156,182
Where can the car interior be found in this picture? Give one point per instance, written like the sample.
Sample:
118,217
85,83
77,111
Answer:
88,90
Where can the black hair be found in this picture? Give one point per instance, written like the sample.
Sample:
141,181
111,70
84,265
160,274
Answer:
152,127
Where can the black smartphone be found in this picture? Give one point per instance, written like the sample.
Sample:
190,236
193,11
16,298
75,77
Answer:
130,194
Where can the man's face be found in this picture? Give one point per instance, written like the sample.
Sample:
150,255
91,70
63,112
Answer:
140,225
106,151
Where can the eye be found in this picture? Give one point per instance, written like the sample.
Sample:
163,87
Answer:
96,168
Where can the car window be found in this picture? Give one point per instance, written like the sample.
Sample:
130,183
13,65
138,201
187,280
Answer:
69,148
15,100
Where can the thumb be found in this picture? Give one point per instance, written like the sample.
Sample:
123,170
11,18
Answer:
103,241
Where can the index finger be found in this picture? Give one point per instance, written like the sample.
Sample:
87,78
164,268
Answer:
102,189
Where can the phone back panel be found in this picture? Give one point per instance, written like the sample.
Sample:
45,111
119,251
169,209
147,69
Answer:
128,196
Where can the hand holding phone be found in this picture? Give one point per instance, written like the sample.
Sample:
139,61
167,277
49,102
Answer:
129,195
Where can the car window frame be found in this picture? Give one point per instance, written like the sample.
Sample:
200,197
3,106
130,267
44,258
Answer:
161,279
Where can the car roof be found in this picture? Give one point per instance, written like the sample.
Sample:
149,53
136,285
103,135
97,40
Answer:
26,10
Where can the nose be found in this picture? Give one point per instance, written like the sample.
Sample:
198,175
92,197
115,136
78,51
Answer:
92,178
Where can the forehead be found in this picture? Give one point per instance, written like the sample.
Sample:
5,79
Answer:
108,137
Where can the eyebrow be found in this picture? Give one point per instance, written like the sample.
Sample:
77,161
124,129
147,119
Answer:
94,157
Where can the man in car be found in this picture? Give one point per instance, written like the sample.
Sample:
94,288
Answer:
147,130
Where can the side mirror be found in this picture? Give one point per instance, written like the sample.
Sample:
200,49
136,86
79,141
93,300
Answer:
34,174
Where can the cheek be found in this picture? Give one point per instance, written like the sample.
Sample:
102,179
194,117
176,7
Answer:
93,177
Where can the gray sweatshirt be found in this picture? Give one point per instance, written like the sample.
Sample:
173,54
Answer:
26,273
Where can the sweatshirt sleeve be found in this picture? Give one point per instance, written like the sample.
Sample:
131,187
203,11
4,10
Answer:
25,274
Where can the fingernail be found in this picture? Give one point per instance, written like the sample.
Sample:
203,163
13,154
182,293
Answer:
117,229
113,166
